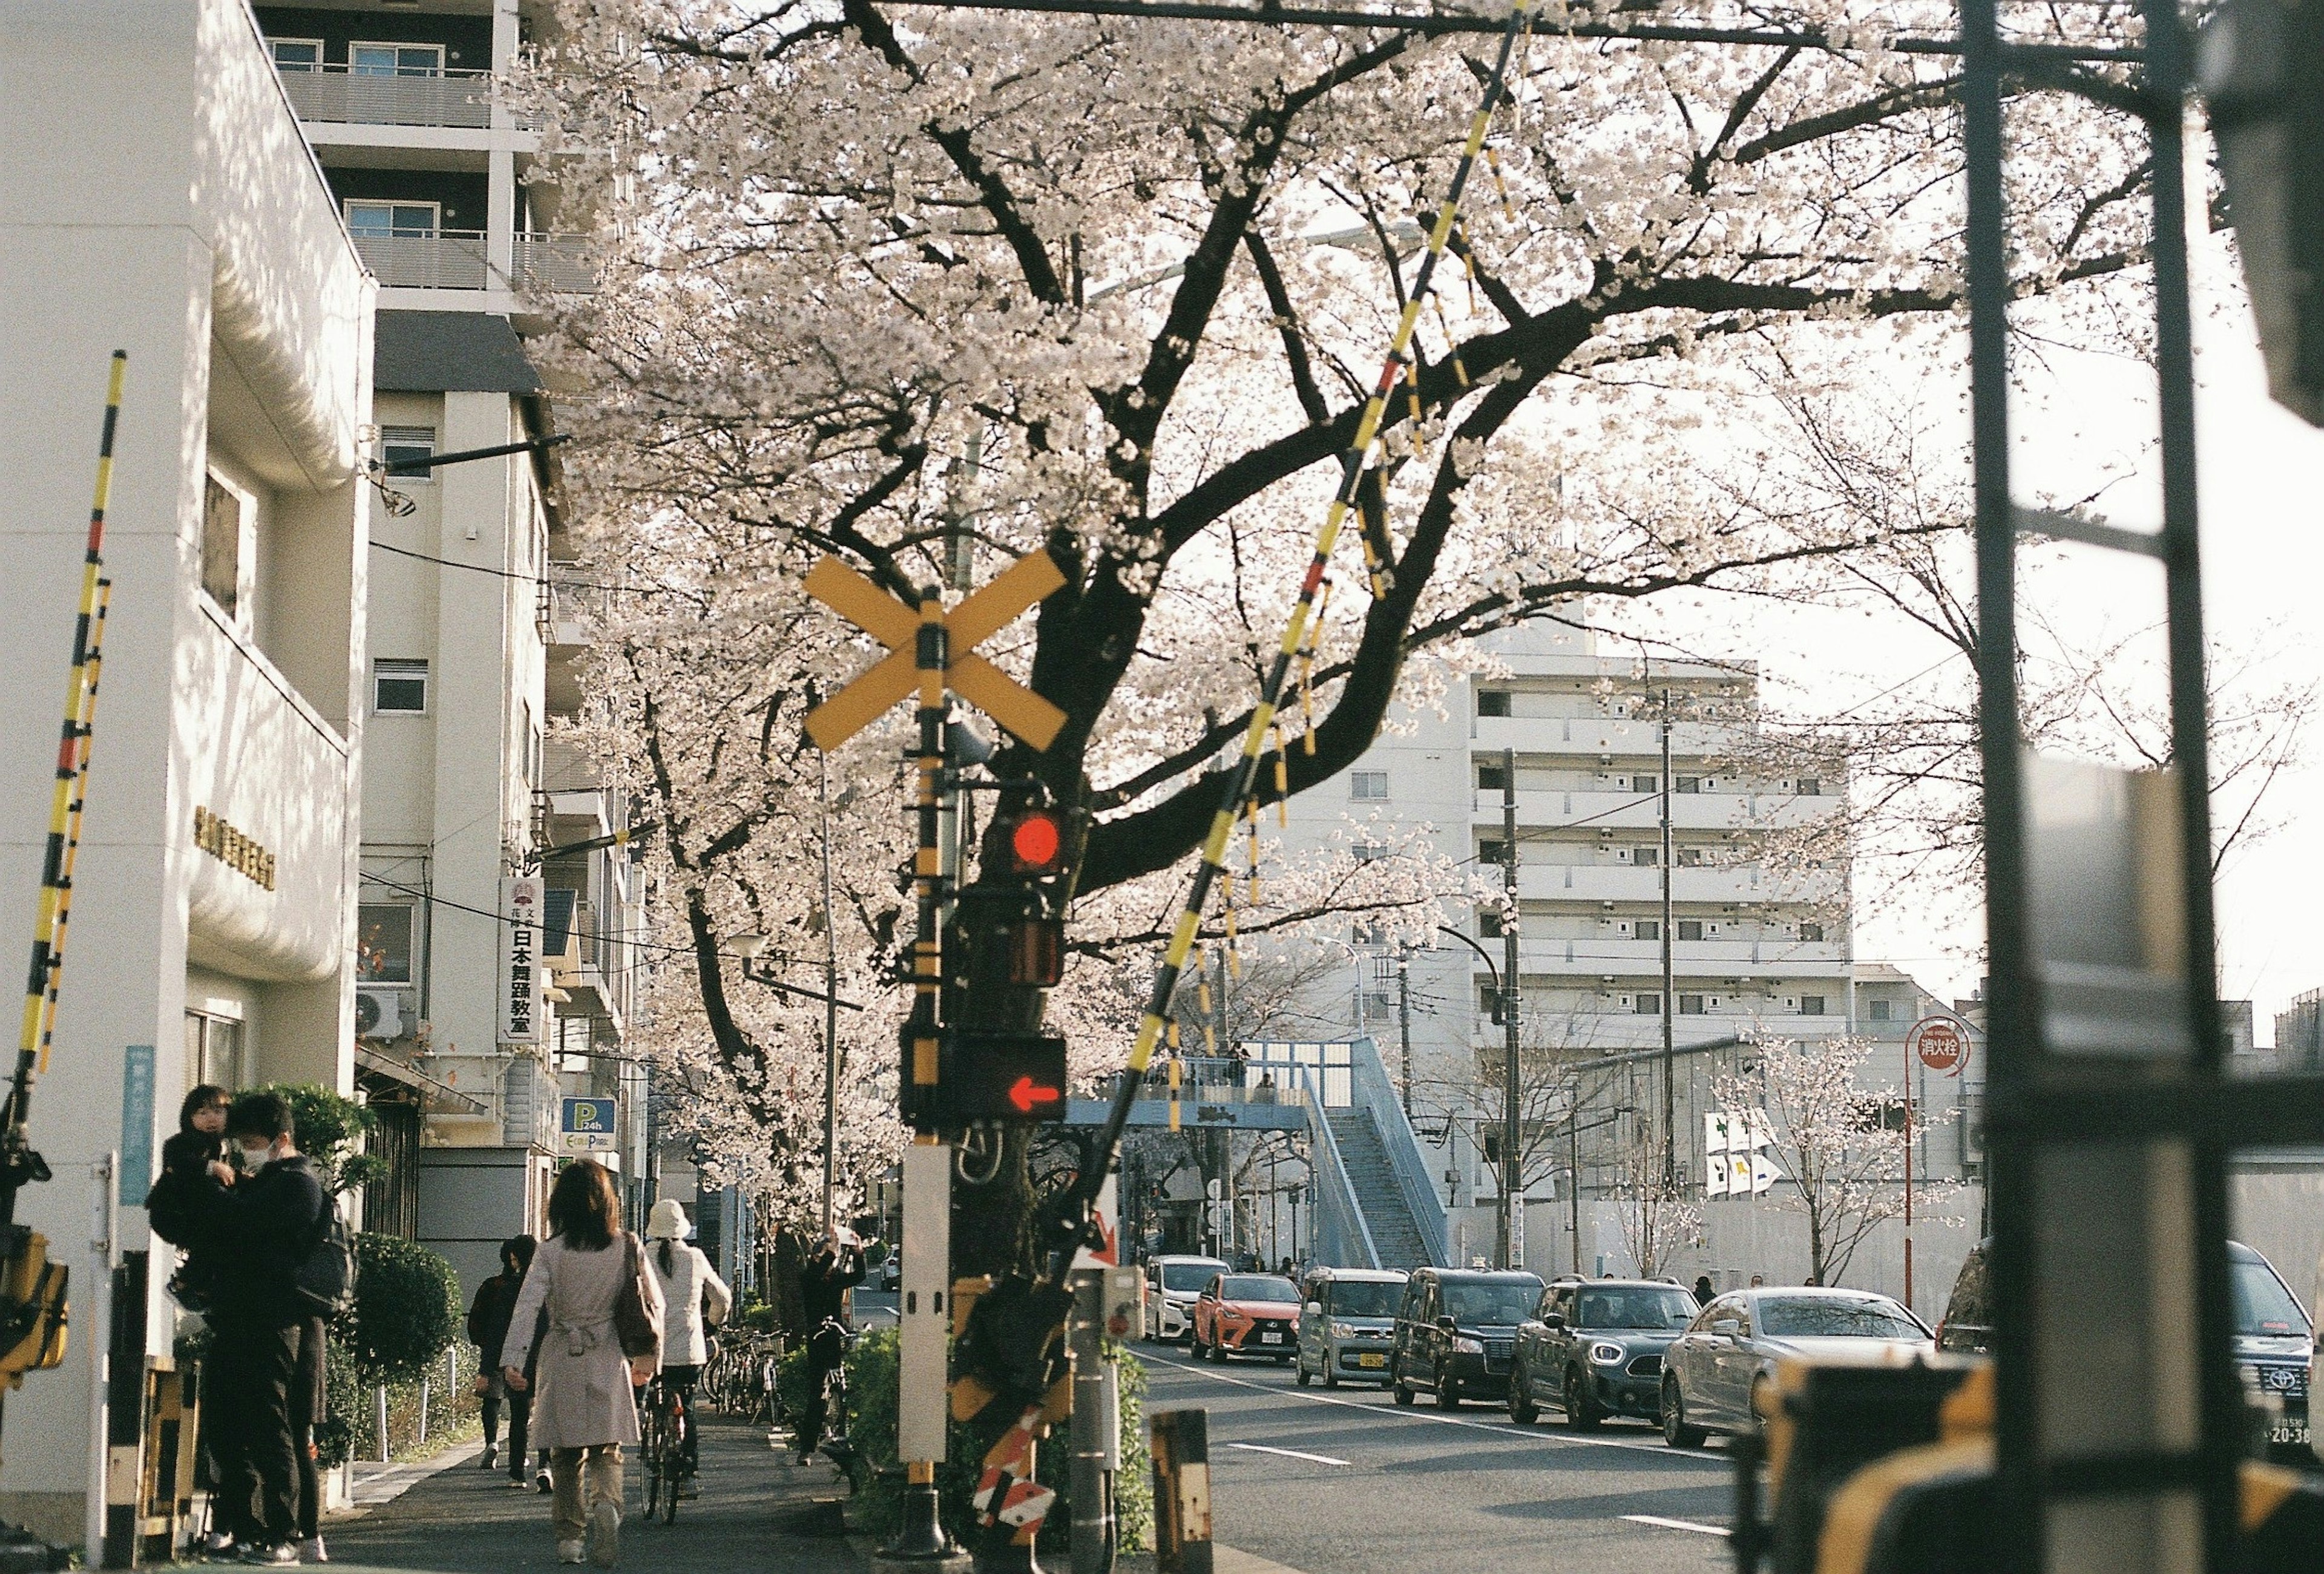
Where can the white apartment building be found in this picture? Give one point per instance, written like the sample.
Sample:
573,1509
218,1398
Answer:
476,635
156,197
1757,942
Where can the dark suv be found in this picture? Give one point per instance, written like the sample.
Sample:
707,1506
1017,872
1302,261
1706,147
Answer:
1595,1348
1456,1332
2273,1337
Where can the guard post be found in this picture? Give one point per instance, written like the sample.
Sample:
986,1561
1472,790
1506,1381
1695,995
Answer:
1182,1491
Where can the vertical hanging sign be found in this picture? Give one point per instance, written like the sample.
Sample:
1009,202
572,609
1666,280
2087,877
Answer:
522,904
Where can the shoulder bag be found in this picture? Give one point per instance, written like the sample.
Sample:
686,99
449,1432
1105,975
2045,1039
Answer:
634,1324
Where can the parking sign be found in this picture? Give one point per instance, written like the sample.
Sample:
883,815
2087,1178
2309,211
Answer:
590,1126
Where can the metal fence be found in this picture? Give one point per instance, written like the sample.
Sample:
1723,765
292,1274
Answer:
337,95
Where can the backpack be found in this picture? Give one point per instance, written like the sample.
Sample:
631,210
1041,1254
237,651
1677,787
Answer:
324,1285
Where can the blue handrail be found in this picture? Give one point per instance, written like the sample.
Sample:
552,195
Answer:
1376,1093
1332,1180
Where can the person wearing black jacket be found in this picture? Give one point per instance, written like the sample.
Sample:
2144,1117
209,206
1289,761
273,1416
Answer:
488,1325
263,1226
174,1204
836,1267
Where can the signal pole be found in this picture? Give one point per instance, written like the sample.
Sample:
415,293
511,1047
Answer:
1512,1242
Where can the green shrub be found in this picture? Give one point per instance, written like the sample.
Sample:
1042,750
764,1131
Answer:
879,1475
407,1310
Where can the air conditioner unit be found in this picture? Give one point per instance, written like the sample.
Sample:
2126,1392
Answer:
381,1014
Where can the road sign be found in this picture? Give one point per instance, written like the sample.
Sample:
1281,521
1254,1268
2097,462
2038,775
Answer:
1941,1043
898,628
589,1126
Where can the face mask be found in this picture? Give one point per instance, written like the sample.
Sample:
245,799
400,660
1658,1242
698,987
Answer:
252,1157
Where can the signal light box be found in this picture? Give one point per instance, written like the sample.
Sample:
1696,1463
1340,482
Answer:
1000,1076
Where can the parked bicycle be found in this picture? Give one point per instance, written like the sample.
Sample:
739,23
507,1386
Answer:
662,1426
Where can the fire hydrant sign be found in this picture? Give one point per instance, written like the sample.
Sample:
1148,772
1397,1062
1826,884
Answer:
589,1126
1941,1043
523,901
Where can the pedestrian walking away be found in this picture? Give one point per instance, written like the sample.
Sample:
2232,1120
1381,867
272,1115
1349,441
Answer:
488,1326
265,1226
692,1295
598,1343
836,1267
1703,1291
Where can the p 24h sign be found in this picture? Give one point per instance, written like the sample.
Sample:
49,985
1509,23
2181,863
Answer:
590,1126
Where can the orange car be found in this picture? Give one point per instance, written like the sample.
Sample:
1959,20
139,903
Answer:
1247,1314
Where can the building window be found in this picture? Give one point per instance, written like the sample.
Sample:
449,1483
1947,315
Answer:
1690,858
296,54
1690,928
405,445
1645,784
1489,922
1810,787
383,943
395,221
1646,857
1690,1005
398,688
1879,1010
226,539
1368,784
1649,1005
1811,1005
1492,702
1650,929
1813,934
1686,784
1493,851
396,60
1368,852
1491,778
1369,932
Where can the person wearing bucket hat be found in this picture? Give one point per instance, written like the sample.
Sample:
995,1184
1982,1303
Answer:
693,1296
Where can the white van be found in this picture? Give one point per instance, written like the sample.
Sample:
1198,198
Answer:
1172,1284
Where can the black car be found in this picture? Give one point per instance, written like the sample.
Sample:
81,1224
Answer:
1595,1349
1456,1333
2271,1331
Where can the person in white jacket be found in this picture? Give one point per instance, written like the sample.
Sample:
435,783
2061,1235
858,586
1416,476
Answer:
693,1296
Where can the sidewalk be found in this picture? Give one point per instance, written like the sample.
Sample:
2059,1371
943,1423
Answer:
757,1513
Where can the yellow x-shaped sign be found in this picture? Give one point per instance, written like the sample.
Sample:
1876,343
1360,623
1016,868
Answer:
970,676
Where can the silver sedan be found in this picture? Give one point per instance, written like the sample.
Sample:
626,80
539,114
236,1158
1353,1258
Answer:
1717,1376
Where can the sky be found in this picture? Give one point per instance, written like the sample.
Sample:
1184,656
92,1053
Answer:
2081,419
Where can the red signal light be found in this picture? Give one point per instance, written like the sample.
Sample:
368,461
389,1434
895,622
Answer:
1037,843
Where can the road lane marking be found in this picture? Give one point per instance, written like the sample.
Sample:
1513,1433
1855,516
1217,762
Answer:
1287,1453
1678,1525
1400,1413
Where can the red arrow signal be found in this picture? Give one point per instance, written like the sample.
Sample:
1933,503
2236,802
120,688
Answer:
1028,1093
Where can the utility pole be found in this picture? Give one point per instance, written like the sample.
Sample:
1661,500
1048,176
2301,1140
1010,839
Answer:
1670,999
830,1003
1512,1227
1403,1026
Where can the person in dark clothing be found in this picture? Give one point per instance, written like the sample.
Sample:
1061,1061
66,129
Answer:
1703,1291
263,1226
836,1267
488,1324
306,1408
174,1205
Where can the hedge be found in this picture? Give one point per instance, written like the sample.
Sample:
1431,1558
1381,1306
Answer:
877,1475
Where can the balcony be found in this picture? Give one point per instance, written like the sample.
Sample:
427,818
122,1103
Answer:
447,260
554,265
336,95
1618,883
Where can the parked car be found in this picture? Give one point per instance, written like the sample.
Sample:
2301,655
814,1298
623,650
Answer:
1719,1374
1456,1333
1347,1324
2273,1336
1247,1314
1172,1282
1595,1348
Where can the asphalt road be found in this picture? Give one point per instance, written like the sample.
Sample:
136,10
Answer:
1343,1482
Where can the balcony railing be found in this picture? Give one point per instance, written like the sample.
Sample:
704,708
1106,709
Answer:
339,96
554,265
446,259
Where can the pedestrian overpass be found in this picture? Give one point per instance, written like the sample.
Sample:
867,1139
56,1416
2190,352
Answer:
1375,1207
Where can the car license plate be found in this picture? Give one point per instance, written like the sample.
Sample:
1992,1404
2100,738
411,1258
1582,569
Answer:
1271,1337
1372,1358
2290,1431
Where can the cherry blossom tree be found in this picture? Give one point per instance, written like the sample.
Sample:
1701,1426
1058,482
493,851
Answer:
1841,1144
1657,1216
930,290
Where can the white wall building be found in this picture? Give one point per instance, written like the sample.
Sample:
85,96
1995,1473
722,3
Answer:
1755,944
477,635
155,196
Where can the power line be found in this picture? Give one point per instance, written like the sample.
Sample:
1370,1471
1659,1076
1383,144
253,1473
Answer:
527,578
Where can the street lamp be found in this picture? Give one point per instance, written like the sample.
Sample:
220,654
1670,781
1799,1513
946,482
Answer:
1505,1008
1356,958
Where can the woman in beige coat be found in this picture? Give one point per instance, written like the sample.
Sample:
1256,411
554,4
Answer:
584,1409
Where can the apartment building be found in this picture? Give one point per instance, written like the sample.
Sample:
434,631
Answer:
156,198
478,822
1758,900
